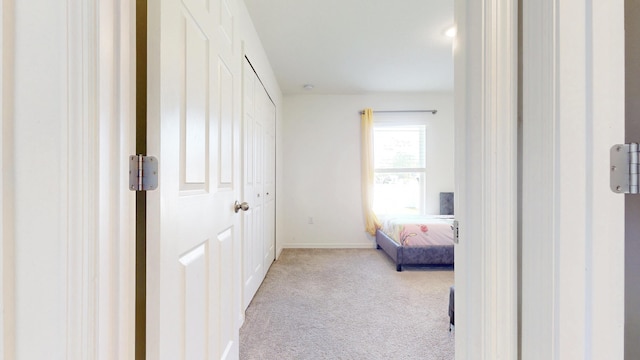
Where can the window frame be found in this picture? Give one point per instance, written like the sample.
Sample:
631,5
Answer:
397,121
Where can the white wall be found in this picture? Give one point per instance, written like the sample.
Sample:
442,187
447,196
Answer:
322,163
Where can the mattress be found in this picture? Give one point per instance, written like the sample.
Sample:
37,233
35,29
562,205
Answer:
419,230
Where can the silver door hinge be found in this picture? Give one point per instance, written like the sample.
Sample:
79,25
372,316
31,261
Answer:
143,173
624,168
456,231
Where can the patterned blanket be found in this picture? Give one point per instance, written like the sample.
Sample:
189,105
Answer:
419,230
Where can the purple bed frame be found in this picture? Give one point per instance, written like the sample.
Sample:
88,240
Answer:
435,255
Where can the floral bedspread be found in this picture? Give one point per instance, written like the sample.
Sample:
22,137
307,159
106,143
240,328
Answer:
419,230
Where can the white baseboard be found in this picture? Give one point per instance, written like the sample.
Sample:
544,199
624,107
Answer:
278,251
329,246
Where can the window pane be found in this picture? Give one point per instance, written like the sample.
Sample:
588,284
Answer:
398,193
399,147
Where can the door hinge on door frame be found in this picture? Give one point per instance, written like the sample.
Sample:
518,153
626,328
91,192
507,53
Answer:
624,168
143,173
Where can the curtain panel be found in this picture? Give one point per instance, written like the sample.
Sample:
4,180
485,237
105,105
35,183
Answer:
371,220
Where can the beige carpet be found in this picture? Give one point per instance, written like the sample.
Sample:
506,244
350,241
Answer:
348,304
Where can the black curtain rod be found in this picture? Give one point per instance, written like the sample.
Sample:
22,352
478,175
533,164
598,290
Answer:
402,111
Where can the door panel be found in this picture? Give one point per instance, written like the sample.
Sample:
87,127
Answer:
226,125
192,230
194,139
227,36
194,275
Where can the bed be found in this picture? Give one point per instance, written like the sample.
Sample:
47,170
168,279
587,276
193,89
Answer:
417,239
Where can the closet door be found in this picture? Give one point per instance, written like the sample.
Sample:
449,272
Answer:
251,219
268,113
258,245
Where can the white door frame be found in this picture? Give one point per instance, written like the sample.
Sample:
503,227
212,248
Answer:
92,231
485,57
573,225
572,230
116,74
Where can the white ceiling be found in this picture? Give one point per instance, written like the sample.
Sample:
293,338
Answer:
357,46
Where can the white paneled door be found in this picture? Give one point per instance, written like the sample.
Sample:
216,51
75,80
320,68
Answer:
193,233
253,269
258,183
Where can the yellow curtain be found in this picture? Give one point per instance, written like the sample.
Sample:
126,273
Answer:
371,220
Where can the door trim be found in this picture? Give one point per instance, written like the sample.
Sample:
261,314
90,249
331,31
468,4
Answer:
112,70
486,79
573,225
84,174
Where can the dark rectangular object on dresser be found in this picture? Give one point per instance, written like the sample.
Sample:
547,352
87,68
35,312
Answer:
446,203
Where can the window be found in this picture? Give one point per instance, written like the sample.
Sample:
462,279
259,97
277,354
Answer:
399,168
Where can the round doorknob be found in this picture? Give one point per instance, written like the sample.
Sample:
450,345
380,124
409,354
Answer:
241,206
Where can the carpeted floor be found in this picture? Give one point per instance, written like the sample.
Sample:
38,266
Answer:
348,304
